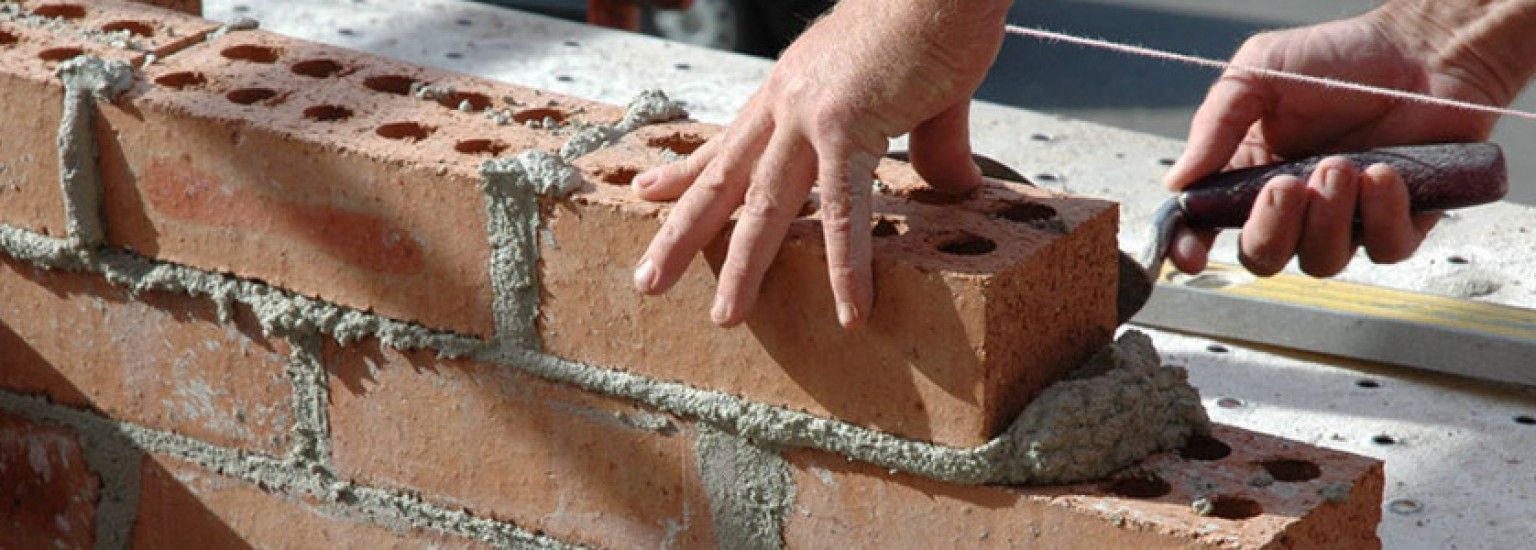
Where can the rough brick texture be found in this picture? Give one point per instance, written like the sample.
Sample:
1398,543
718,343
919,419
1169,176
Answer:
158,359
311,167
840,502
576,466
184,506
194,7
47,491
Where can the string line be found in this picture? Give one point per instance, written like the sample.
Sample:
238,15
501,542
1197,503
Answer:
1143,51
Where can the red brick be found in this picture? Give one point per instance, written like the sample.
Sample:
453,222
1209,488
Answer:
194,7
31,99
155,29
183,506
840,503
48,493
502,444
327,208
159,359
958,343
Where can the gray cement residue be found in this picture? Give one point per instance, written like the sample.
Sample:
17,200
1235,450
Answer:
513,187
751,490
86,79
650,107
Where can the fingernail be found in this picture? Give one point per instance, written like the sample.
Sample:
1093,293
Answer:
645,179
645,276
1333,179
1280,197
720,312
846,314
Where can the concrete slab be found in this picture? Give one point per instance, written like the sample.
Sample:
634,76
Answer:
1458,466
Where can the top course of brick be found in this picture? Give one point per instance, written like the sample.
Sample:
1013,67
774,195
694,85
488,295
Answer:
355,179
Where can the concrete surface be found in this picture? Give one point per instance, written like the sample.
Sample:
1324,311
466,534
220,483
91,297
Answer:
1458,471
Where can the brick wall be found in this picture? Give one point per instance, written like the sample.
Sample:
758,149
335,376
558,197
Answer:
314,315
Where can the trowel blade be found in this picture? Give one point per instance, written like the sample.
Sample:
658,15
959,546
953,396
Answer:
1135,285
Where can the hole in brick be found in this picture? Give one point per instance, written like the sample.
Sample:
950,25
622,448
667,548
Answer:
64,11
1286,469
1230,507
59,54
409,131
622,175
252,53
7,38
390,84
477,102
538,115
136,28
181,80
928,195
1204,447
680,143
327,113
1026,212
247,96
481,147
317,68
886,227
1149,486
808,209
967,244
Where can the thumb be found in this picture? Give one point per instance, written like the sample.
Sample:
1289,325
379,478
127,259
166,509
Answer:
1232,106
941,150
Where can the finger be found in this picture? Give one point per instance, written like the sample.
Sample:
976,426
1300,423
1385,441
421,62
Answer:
845,179
1327,239
780,183
1390,234
1191,249
703,209
1233,105
671,180
1269,237
941,151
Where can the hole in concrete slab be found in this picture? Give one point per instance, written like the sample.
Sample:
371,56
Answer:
1367,383
181,80
1405,506
538,115
480,147
136,28
1286,469
390,84
1026,212
1525,419
476,101
1229,403
1148,486
59,54
886,227
327,113
317,68
1458,260
620,175
1383,439
929,195
680,143
1217,348
1204,447
409,131
63,11
252,53
1231,507
1165,161
247,96
7,38
1209,281
966,244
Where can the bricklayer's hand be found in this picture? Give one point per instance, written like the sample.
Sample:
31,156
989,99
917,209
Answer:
868,71
1248,120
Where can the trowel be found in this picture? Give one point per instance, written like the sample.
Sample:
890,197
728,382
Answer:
1439,177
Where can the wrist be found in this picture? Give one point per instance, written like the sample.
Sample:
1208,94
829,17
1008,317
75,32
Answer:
1485,43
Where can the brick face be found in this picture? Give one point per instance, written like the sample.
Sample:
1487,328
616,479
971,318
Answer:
194,7
158,359
184,506
544,456
48,493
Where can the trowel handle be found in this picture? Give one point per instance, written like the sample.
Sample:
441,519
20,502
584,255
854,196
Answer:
1439,177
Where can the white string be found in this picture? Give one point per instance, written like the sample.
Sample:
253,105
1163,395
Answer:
1268,73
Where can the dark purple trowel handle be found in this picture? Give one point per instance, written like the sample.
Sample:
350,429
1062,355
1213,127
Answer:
1439,177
